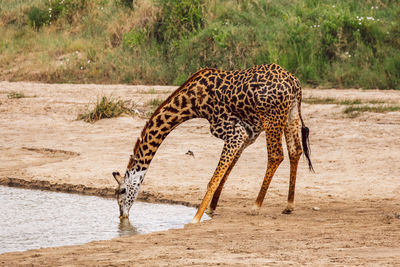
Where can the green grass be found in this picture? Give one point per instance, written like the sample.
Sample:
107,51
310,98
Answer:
335,43
150,91
355,107
353,111
329,100
106,107
316,100
152,105
15,95
155,102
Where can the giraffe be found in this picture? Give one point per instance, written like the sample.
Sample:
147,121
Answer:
239,105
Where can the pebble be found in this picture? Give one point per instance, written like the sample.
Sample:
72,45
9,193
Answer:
316,208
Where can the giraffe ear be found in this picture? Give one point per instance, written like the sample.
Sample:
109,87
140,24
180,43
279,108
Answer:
117,177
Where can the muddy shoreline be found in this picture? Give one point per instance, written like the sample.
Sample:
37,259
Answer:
84,190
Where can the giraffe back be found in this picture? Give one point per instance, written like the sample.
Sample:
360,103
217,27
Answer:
229,97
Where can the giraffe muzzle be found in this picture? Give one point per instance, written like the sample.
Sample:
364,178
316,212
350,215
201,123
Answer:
122,214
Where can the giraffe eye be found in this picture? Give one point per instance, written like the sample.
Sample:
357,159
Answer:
123,191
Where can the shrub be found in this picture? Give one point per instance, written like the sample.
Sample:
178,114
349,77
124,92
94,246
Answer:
178,18
38,17
134,38
52,10
126,3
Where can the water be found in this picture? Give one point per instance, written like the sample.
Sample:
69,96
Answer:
31,219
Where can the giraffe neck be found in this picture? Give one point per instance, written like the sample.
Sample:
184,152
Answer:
175,110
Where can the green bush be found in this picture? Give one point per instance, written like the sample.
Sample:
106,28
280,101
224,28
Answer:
66,8
134,38
38,17
178,18
126,3
52,10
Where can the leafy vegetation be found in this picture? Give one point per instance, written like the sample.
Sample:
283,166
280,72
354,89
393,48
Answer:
335,43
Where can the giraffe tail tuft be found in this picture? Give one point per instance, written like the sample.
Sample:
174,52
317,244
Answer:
306,145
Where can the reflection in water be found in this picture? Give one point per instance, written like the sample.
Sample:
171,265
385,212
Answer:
125,228
31,219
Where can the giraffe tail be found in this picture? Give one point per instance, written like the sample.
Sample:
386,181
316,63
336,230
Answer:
305,141
306,145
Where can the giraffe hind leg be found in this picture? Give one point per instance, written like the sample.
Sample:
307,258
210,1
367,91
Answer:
292,136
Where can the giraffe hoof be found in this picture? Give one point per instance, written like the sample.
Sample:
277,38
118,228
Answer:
287,211
209,211
255,210
194,221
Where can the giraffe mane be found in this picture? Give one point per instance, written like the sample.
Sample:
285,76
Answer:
136,147
130,163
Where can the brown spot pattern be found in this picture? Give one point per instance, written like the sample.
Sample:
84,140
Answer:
238,105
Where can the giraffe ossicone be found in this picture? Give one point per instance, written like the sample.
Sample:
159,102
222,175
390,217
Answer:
239,105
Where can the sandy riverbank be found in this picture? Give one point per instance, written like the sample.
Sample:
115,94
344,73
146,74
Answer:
356,185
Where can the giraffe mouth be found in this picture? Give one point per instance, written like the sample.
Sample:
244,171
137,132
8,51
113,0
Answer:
122,214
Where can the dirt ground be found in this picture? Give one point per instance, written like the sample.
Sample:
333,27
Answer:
347,212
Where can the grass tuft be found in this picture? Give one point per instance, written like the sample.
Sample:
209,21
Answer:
152,105
355,107
316,100
106,107
329,100
353,110
15,95
155,102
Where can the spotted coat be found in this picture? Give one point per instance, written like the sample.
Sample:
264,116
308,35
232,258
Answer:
238,105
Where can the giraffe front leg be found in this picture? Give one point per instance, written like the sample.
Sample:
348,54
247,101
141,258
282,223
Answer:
230,151
213,205
273,137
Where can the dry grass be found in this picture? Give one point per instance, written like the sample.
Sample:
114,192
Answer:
152,105
15,95
107,107
355,110
329,100
355,107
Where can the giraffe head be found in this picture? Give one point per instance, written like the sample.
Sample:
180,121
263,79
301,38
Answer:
128,187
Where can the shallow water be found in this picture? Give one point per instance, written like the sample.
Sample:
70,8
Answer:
31,219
